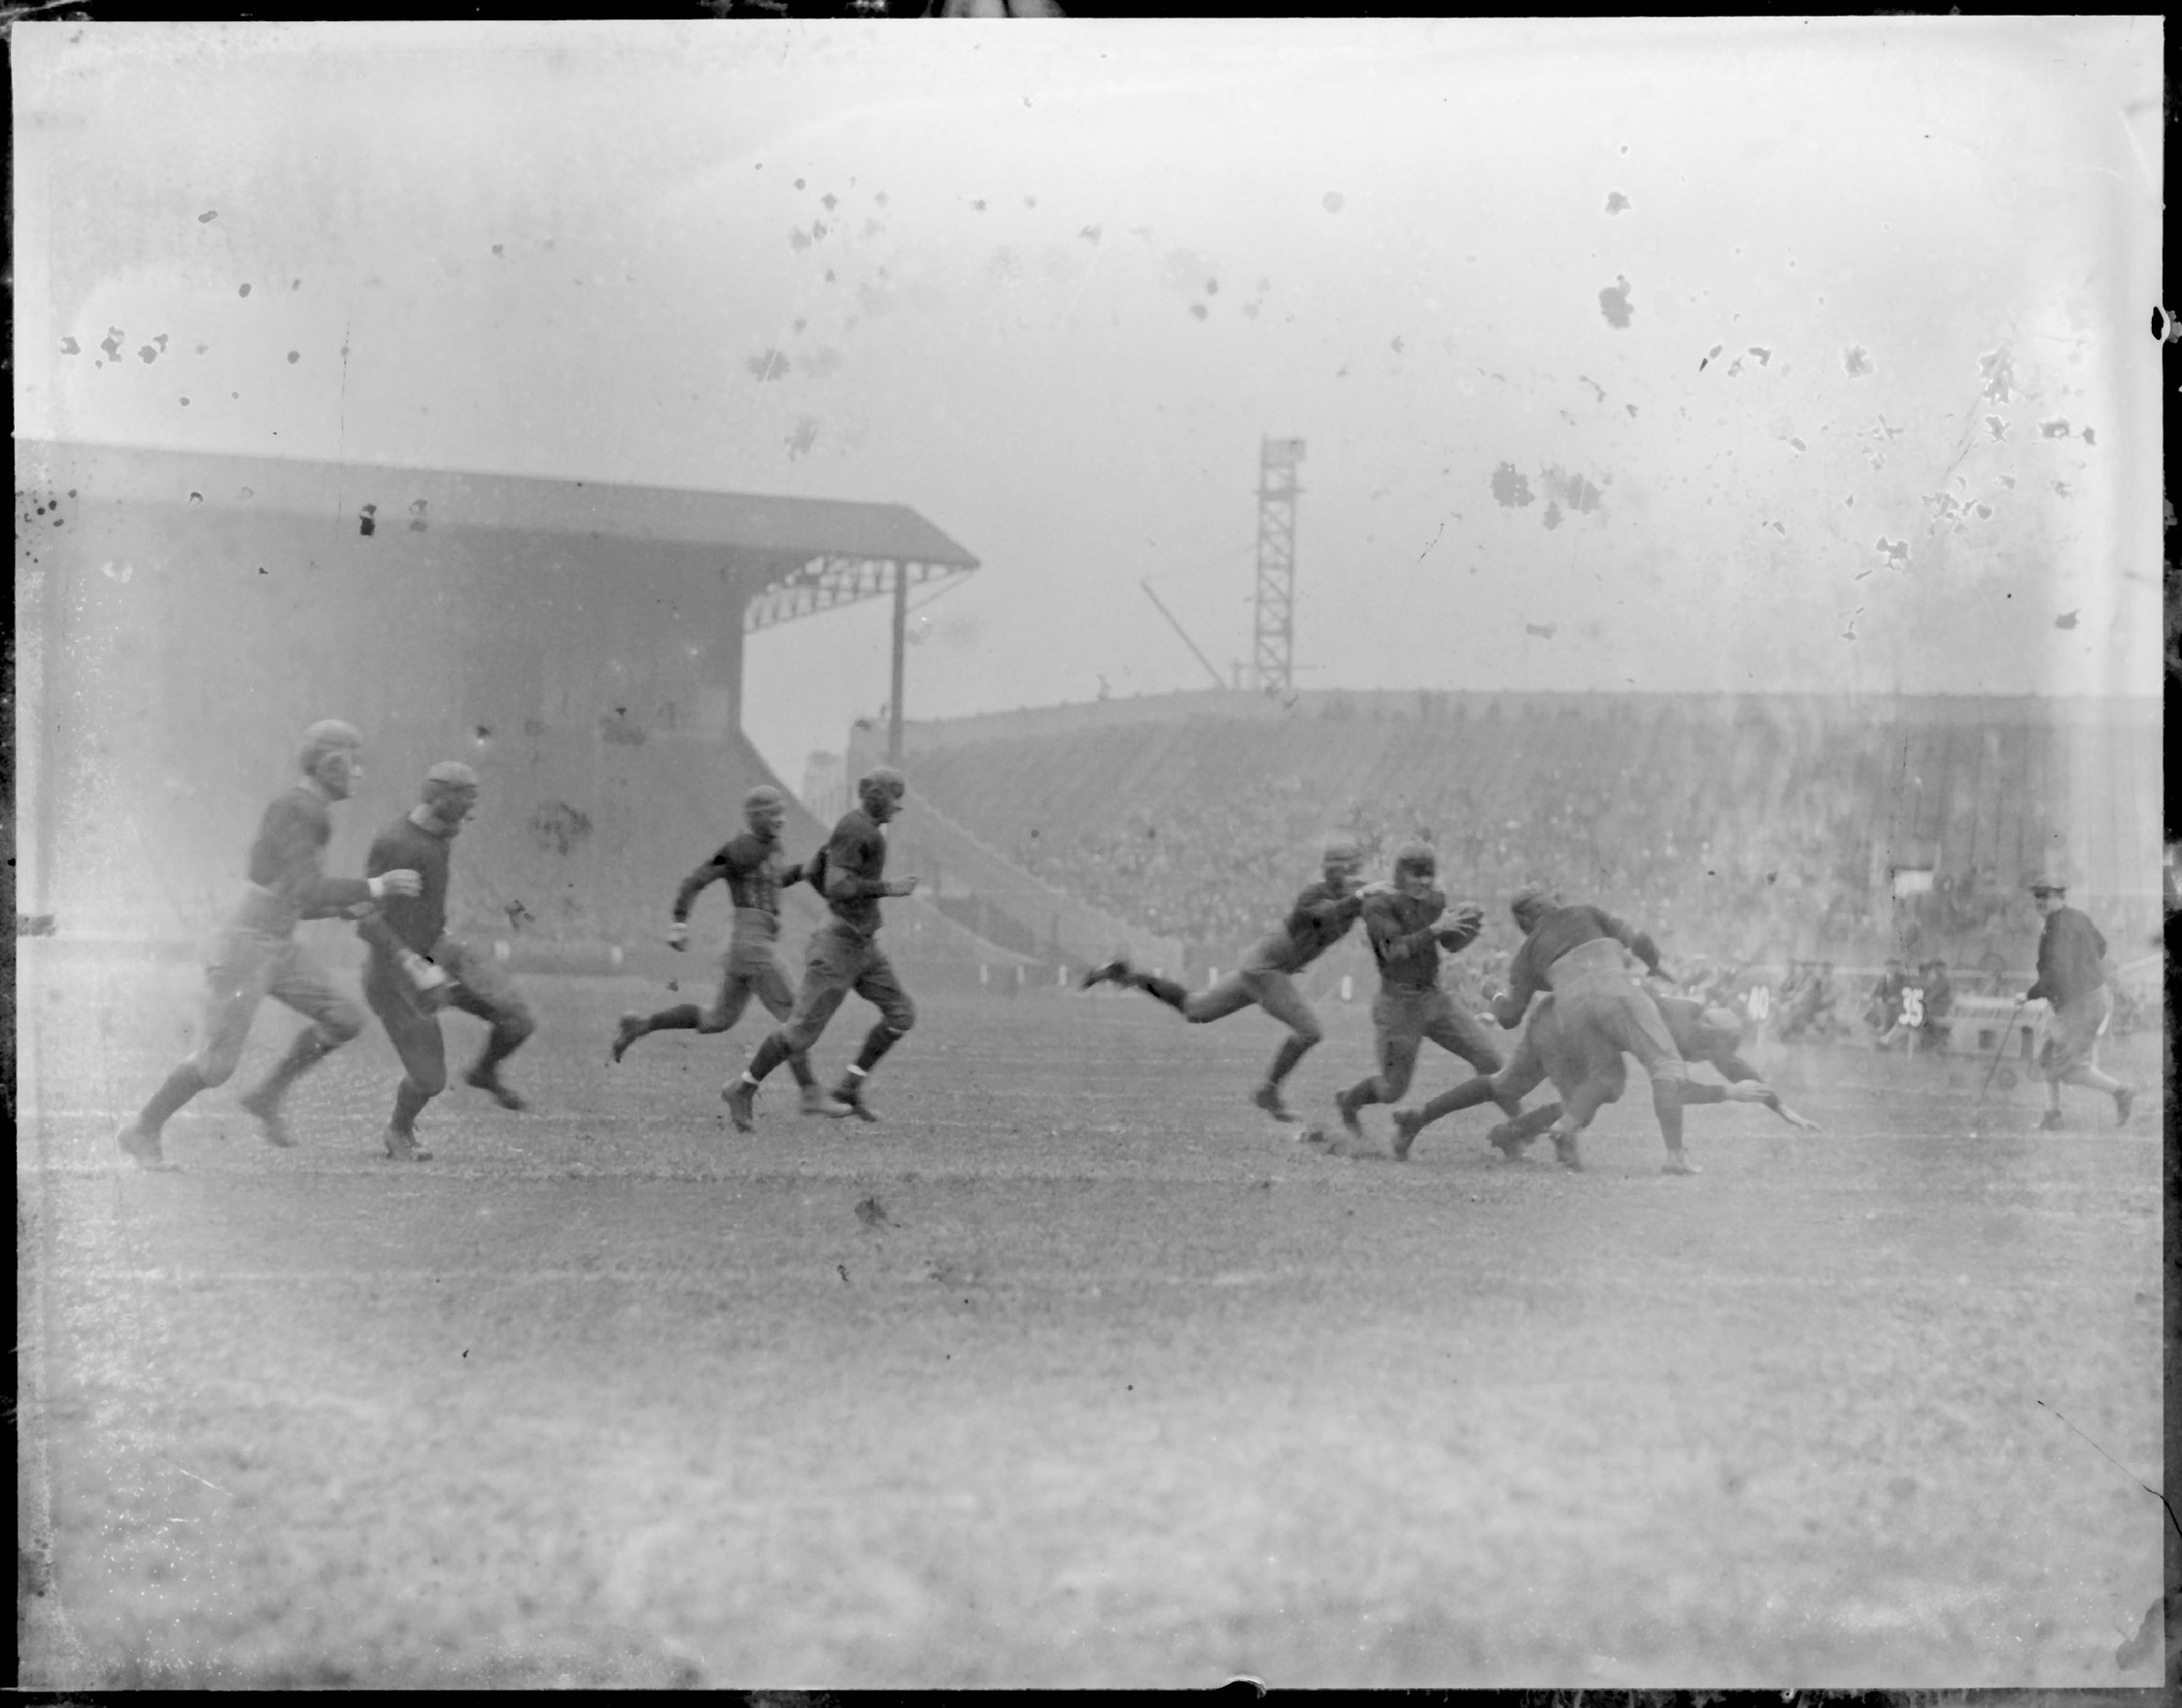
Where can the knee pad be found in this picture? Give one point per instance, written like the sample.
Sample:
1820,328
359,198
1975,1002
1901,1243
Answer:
339,1027
519,1025
1306,1036
902,1020
212,1075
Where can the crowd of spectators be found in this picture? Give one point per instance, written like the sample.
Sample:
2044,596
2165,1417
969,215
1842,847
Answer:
1733,842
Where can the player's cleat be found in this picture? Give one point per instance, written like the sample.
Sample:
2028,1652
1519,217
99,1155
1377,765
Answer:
2052,1122
1268,1098
142,1147
1349,1122
850,1094
403,1146
266,1112
817,1103
1408,1123
489,1083
2125,1103
1679,1164
741,1099
627,1033
1507,1141
1111,971
1565,1147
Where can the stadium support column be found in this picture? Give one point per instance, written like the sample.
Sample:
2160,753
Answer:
1275,614
743,577
901,651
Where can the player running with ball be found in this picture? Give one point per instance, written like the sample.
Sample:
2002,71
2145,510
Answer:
1403,925
1320,918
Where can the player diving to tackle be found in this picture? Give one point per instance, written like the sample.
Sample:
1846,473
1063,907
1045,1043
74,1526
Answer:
1318,919
1403,926
255,954
1546,1050
751,864
843,955
1575,952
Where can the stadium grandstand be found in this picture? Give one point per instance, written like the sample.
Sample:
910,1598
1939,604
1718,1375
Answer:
1742,829
581,645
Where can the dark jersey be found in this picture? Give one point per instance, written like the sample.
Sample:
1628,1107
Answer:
1553,936
2071,959
1403,932
752,867
288,863
414,922
855,857
1320,918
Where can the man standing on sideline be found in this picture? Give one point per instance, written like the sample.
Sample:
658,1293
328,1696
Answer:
2073,980
416,968
843,955
254,955
1318,919
1403,926
752,867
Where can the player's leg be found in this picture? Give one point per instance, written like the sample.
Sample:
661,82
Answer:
769,983
877,985
2075,1061
1602,1083
830,965
1632,1020
1396,1034
1507,1085
302,984
416,1037
482,989
681,1017
1230,996
235,980
1275,993
1460,1034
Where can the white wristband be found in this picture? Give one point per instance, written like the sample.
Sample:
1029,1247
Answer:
377,886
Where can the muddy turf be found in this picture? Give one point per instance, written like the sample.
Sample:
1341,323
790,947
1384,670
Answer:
1075,1371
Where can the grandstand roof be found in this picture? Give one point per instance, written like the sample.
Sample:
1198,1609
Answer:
761,525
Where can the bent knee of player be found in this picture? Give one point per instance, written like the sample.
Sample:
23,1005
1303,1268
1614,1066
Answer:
1307,1031
899,1017
340,1023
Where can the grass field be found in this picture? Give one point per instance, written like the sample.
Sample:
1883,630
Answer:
1073,1371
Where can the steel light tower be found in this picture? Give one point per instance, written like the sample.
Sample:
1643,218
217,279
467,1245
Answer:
1276,624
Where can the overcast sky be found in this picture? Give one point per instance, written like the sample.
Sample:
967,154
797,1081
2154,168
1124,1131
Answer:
1737,355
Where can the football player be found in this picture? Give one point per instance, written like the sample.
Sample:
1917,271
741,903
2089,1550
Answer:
1548,1051
1576,953
1402,924
255,954
843,955
751,866
1318,919
416,968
